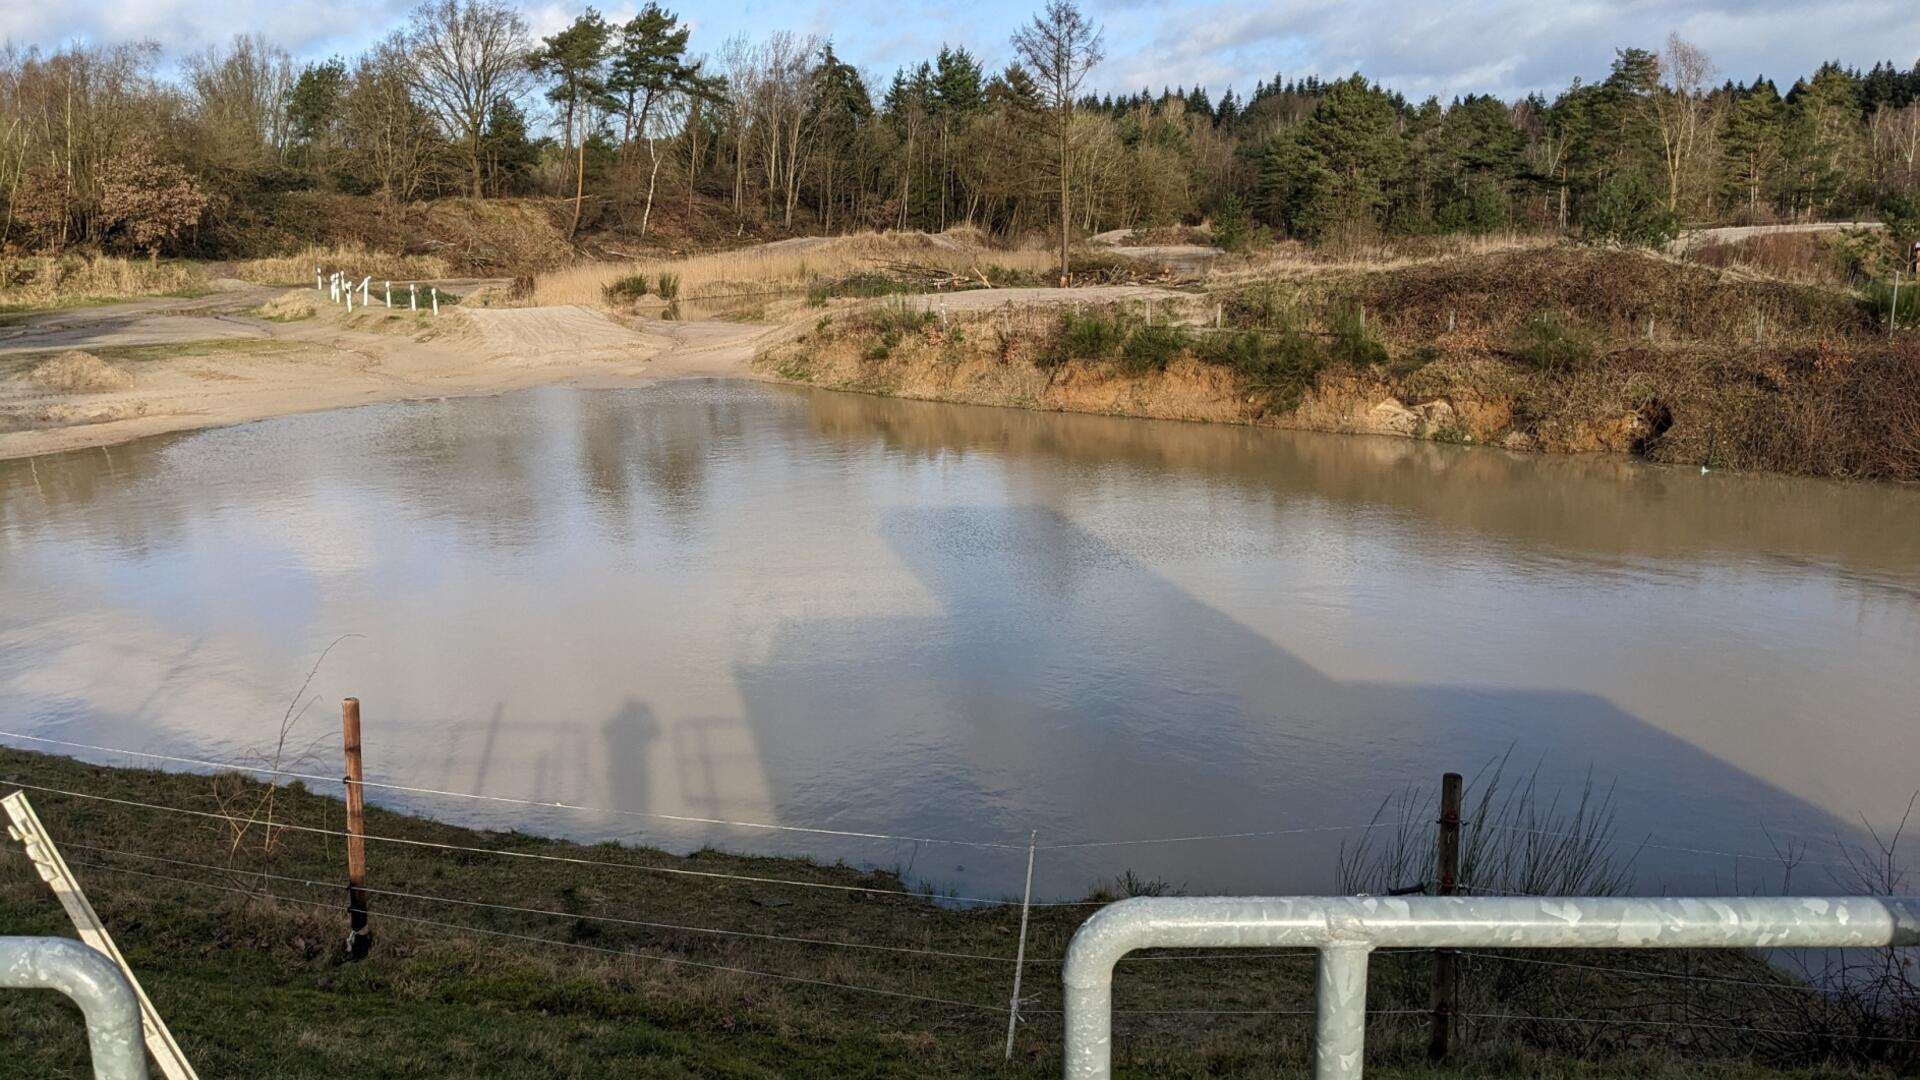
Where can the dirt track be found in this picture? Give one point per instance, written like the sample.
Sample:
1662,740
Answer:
216,360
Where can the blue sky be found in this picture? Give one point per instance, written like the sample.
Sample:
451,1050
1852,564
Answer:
1508,47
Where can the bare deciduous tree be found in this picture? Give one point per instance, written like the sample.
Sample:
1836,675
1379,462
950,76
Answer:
1059,47
1683,114
467,55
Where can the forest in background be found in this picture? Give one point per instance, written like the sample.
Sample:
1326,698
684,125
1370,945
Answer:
110,147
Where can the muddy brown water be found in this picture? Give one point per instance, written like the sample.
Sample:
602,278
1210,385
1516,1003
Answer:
728,600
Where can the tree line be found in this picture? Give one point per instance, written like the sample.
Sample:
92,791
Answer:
101,148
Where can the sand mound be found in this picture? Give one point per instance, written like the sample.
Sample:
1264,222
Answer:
76,372
289,306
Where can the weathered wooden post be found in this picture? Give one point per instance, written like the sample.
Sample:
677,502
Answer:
1445,980
1893,309
359,938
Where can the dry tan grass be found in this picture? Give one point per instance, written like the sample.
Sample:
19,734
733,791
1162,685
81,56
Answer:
788,265
54,281
354,261
1292,258
76,372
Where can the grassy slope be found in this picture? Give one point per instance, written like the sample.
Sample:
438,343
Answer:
255,987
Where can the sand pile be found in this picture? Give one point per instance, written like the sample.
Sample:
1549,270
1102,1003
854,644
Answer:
76,372
288,307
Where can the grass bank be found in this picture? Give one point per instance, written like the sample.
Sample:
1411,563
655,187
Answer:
1556,349
502,954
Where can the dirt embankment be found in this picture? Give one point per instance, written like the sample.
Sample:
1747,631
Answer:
1556,350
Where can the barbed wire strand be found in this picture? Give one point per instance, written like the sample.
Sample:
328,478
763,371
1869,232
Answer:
731,969
493,906
543,857
627,953
1641,972
1699,1024
411,789
1772,857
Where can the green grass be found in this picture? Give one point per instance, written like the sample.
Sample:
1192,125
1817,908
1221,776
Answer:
255,986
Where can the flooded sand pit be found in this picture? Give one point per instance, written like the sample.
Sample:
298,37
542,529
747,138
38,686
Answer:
726,600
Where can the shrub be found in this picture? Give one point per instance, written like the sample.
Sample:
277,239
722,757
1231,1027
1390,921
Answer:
631,287
1545,343
668,285
1880,302
1627,210
1260,305
148,203
1281,365
1152,348
1353,344
1088,337
897,317
1233,227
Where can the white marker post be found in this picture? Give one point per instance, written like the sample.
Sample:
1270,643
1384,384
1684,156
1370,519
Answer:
413,297
349,295
389,294
435,290
316,280
366,283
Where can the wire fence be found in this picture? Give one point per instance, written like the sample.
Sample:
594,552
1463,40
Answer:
252,884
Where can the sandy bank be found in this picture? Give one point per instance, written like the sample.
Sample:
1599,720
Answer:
247,352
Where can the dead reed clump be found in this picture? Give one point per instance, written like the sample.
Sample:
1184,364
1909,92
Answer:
33,282
353,260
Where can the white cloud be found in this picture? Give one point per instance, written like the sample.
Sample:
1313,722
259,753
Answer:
1507,47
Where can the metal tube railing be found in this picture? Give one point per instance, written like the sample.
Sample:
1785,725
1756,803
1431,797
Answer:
95,984
1346,929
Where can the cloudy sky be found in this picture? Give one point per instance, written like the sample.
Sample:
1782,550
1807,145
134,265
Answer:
1507,47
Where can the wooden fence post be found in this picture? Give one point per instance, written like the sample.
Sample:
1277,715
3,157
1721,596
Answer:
1445,979
359,938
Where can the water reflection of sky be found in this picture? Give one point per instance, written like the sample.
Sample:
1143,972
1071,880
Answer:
730,600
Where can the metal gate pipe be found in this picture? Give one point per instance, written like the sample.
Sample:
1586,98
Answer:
1346,928
95,984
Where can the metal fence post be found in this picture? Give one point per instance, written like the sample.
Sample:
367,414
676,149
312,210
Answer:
1340,1011
95,984
1020,954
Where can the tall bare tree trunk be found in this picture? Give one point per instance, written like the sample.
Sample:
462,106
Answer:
1066,224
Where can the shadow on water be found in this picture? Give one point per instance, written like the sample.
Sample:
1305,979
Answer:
627,740
1064,681
574,586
